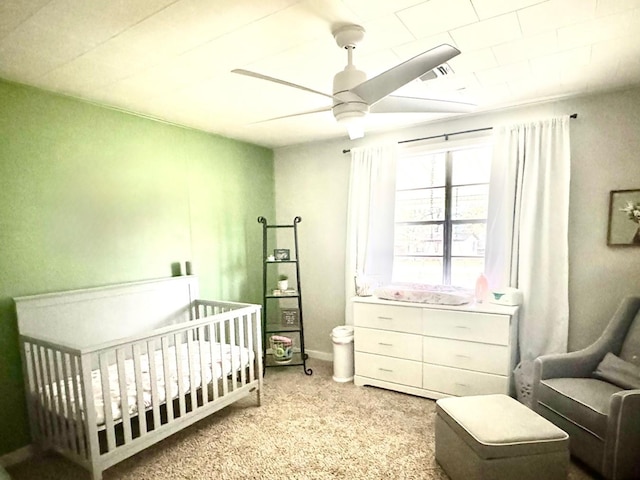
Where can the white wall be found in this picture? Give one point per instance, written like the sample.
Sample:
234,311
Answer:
312,182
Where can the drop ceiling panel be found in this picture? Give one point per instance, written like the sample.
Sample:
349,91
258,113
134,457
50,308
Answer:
437,16
172,59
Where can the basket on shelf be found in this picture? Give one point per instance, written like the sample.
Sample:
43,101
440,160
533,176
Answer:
281,348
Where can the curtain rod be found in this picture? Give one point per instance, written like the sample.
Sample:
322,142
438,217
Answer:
447,135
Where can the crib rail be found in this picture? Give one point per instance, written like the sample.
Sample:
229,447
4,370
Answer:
148,386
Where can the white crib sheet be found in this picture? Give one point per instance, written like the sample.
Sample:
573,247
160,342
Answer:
227,358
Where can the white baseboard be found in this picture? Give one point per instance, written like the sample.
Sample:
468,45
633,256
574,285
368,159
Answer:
17,456
327,357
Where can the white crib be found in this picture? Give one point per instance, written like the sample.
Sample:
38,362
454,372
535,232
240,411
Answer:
110,371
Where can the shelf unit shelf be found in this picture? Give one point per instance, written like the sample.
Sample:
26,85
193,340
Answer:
269,328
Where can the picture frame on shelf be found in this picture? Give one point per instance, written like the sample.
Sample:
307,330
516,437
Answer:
624,218
281,254
290,317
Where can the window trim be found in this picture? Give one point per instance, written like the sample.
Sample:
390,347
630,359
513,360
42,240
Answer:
447,147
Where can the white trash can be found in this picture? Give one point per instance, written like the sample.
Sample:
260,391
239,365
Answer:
342,338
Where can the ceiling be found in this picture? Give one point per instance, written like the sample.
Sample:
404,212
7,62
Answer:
172,59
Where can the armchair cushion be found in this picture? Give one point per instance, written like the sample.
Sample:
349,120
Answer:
584,400
614,370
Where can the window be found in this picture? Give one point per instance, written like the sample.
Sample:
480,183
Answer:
441,216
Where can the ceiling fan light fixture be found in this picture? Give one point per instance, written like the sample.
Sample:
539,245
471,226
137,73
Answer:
353,122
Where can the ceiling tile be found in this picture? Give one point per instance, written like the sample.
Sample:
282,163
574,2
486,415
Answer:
14,12
473,60
416,47
370,9
487,33
527,47
437,16
597,30
607,7
492,8
555,14
561,61
507,73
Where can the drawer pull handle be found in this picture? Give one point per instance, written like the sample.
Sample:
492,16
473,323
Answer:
462,326
385,344
462,356
385,370
385,318
462,384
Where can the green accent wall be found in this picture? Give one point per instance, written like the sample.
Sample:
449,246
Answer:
92,196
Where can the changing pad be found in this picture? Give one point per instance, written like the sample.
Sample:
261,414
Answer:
422,293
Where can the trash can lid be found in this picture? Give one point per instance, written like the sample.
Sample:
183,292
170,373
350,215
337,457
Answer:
342,331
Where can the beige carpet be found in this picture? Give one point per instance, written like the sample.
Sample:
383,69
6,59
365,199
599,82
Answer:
308,427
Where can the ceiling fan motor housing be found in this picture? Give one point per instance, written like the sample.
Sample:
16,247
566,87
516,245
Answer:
347,104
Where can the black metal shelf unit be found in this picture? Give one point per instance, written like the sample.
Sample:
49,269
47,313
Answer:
273,327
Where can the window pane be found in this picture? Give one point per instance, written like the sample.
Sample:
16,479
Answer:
468,239
469,203
418,240
417,270
465,271
471,165
420,172
420,205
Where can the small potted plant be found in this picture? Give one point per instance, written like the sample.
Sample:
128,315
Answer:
283,282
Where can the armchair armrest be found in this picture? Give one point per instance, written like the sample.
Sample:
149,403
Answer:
565,365
623,436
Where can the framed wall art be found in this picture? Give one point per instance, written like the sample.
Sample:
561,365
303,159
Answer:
281,254
624,218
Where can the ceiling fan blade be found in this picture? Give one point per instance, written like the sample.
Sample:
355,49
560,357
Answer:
276,80
308,112
395,104
387,82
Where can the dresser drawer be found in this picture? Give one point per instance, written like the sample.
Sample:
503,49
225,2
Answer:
471,326
388,317
452,381
480,357
389,369
392,344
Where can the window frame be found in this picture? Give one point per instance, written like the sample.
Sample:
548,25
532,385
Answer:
448,222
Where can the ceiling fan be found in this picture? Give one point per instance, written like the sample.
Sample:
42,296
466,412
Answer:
354,96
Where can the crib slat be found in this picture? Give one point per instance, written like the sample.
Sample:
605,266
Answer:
233,364
153,373
242,344
37,392
167,377
55,434
212,356
192,375
177,342
137,373
87,399
59,404
250,333
124,398
68,411
80,431
203,367
223,360
106,401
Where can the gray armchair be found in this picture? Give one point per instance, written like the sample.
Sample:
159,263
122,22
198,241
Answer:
596,400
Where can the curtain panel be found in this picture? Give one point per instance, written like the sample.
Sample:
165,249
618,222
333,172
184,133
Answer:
527,234
370,217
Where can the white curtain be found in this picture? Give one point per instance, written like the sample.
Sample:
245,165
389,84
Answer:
369,252
527,245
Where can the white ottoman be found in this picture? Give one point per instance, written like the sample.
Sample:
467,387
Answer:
496,437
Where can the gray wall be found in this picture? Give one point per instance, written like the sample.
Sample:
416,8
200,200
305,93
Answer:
312,181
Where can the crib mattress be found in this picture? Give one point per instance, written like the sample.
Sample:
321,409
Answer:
422,293
226,359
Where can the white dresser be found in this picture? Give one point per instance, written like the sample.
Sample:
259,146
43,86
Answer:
434,350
